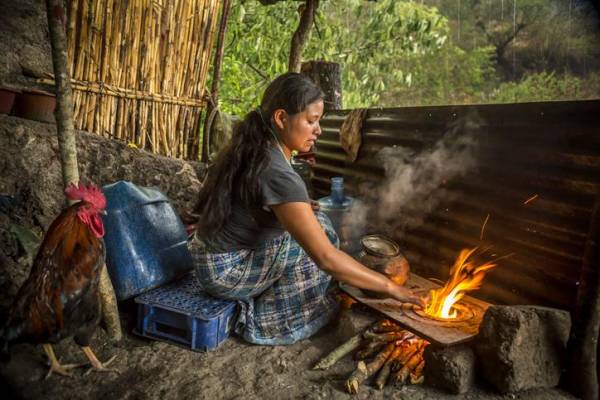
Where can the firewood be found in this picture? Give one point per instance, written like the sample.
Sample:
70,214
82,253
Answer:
338,353
416,376
364,371
359,375
385,371
370,348
388,336
400,377
408,350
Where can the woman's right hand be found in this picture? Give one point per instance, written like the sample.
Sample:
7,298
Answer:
405,295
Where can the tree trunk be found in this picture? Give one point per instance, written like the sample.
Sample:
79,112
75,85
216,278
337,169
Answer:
214,90
108,302
64,96
306,21
582,375
67,141
328,76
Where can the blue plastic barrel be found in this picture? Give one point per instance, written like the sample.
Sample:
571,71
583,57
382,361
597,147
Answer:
146,243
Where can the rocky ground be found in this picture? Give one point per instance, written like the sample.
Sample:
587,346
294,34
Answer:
236,370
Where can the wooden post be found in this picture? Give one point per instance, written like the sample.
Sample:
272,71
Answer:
328,76
67,142
214,90
64,96
307,16
582,374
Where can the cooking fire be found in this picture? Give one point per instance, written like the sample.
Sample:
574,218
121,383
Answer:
465,276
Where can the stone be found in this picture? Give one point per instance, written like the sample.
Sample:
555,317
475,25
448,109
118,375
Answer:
451,369
350,323
522,347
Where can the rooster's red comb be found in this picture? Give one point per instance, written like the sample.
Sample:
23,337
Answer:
91,194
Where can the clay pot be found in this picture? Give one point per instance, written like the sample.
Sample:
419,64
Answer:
37,105
7,99
383,255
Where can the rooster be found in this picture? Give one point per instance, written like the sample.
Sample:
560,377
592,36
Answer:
60,297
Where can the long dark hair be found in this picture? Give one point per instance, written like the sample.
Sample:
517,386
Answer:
235,174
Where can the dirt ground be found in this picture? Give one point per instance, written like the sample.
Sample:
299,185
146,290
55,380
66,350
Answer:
236,370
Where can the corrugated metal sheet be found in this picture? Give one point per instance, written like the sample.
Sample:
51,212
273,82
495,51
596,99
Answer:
551,150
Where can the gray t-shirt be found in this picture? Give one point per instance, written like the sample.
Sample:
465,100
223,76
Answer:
248,228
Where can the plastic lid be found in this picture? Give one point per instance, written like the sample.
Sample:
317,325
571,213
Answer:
379,245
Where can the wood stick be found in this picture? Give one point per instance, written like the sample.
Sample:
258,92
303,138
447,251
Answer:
110,311
301,35
416,376
364,371
388,336
400,377
369,349
111,90
408,350
338,353
352,384
386,370
67,142
214,90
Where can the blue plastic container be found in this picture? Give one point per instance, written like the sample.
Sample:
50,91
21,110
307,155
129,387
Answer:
338,206
182,314
146,243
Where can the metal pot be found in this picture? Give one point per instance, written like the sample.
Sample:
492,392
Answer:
383,255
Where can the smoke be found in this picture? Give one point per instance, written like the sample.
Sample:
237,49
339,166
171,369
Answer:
414,183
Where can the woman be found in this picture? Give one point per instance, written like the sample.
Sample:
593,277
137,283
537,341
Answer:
259,241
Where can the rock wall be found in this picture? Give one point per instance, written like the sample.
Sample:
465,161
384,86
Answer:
30,165
24,43
31,193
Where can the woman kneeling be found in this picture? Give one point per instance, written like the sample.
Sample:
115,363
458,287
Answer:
259,241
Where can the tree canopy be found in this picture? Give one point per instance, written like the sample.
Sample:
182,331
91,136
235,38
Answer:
396,53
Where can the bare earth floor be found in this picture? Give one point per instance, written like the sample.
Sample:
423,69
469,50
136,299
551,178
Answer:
236,370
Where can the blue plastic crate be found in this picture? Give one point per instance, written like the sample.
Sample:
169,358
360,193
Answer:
182,314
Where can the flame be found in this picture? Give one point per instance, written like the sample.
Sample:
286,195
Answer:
465,276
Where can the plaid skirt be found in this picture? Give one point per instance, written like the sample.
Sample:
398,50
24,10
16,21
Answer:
283,296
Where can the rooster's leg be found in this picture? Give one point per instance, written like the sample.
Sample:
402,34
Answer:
96,364
55,366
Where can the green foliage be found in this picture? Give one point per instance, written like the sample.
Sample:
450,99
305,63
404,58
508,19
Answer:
447,76
546,86
384,47
373,43
396,53
256,50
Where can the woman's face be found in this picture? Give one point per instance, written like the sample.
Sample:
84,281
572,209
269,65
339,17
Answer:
299,131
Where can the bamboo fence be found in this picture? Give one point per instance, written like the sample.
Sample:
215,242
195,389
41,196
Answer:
139,70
